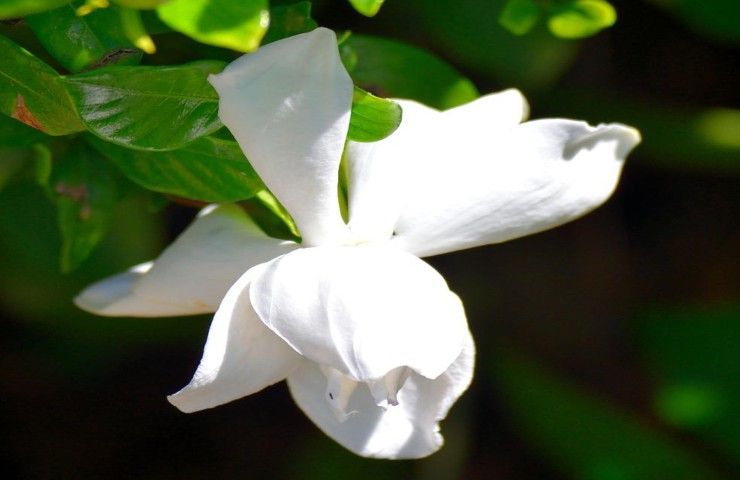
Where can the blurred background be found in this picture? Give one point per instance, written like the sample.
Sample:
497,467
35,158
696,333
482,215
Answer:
608,348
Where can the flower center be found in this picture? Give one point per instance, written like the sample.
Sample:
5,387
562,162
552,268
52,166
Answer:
340,387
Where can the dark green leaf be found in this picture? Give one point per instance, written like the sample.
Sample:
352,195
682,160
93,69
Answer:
79,42
141,4
693,353
369,8
208,169
394,69
20,8
150,108
519,16
235,24
717,19
372,118
585,437
469,31
289,20
32,92
16,134
84,189
581,18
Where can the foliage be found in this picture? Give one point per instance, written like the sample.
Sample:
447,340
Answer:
107,116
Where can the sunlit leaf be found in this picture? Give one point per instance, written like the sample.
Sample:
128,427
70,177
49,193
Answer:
134,30
20,8
395,69
289,20
585,437
372,118
369,8
209,169
519,16
79,42
151,108
32,92
235,24
84,189
581,18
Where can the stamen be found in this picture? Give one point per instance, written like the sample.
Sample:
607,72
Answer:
339,388
385,390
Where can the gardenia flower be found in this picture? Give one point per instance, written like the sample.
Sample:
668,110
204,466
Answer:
373,344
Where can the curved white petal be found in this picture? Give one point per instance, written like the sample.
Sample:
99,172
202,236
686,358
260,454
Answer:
288,105
407,430
241,356
515,182
383,173
193,274
474,175
362,310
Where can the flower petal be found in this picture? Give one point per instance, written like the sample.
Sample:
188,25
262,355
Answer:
473,175
241,356
407,430
515,182
362,310
382,173
288,105
193,274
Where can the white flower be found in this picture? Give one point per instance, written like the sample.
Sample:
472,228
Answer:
374,345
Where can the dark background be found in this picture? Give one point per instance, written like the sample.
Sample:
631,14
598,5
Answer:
608,348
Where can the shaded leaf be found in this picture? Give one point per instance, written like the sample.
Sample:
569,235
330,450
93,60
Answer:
150,108
16,134
693,353
717,19
141,4
394,69
587,438
32,92
235,24
519,16
289,20
79,42
209,169
84,190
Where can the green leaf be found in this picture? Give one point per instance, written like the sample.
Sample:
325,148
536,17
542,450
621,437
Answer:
16,134
372,118
209,169
717,19
150,108
20,8
694,356
32,92
289,20
140,4
677,137
394,69
84,189
519,16
369,8
80,42
585,437
235,24
581,18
